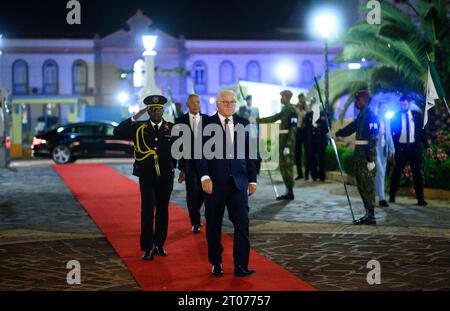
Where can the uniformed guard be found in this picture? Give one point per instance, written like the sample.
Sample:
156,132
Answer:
154,166
366,127
288,131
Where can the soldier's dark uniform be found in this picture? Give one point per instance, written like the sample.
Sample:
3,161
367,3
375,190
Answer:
154,166
317,141
288,131
366,127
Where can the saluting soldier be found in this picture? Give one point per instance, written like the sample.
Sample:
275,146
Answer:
288,131
366,127
154,166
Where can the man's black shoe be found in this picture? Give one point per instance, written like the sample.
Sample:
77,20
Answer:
160,251
243,271
217,270
298,177
196,228
391,200
383,203
289,195
422,203
148,255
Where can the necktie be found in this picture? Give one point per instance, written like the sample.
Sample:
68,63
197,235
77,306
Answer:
194,125
156,128
407,127
229,146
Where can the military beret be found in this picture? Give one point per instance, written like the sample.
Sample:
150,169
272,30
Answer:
362,94
286,93
155,101
248,97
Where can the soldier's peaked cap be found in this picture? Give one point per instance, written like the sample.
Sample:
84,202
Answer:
155,101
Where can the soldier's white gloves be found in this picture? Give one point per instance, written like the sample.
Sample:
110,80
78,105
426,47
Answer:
370,166
286,151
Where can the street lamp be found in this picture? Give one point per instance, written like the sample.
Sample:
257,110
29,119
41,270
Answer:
149,86
326,24
284,72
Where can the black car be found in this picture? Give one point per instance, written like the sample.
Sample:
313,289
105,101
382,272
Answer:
67,143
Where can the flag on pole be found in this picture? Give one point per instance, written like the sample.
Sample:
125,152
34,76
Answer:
434,90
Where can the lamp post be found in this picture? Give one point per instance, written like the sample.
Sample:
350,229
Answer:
326,24
149,86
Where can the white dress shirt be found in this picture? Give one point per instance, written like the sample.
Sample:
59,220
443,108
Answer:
402,138
198,119
230,125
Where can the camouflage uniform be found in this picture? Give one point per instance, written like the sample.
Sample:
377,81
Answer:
366,127
288,130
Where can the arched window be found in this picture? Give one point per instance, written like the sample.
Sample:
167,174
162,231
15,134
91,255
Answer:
20,77
253,71
138,73
307,72
200,77
79,77
50,77
226,73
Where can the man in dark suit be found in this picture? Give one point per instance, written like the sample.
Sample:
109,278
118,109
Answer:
409,137
154,166
188,172
226,177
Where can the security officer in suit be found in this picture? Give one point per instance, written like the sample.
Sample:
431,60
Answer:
188,172
317,141
288,131
409,138
366,127
154,166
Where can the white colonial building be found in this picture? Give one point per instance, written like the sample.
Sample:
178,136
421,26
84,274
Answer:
74,80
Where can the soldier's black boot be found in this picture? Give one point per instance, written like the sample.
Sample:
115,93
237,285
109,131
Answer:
362,220
368,219
289,195
371,219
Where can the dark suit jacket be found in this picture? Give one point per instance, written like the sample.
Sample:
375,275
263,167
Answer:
419,134
243,170
186,164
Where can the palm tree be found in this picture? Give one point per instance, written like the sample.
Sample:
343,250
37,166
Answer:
397,52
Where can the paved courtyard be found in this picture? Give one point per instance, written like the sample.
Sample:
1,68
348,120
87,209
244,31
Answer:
42,226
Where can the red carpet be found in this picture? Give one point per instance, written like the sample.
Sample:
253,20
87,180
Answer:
113,202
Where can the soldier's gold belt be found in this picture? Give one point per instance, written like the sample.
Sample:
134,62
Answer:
361,142
284,131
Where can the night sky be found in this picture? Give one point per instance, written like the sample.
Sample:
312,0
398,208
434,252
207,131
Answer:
193,19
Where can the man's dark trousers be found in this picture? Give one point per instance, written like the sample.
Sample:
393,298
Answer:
404,154
194,194
154,193
237,205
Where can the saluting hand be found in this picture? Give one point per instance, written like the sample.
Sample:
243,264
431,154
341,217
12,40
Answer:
141,113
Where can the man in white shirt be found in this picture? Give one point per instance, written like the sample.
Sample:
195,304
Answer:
409,138
227,180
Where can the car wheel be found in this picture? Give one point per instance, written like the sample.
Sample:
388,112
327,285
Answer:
61,154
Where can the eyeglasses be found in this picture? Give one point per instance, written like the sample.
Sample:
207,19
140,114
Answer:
233,102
